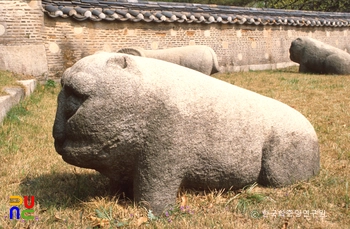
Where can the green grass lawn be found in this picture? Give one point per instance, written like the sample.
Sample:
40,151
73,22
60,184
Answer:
72,197
7,79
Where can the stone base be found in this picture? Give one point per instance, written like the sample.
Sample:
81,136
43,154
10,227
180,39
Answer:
257,67
24,59
15,95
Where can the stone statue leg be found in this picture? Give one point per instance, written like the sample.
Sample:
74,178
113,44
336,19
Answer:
283,164
156,184
121,187
335,64
303,69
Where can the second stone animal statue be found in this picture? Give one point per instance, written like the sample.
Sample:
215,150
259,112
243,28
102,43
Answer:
197,57
153,127
317,57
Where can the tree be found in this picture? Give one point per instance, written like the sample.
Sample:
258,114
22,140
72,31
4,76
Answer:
313,5
217,2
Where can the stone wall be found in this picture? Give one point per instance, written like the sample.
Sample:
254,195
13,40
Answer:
239,47
34,43
22,48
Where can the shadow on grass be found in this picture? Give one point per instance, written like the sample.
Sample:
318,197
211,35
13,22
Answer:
65,190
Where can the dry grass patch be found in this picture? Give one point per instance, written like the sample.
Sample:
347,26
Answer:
71,197
9,79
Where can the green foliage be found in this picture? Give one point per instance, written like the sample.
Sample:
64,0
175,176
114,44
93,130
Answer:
50,84
15,114
217,2
151,216
246,198
7,79
107,215
250,199
104,214
313,5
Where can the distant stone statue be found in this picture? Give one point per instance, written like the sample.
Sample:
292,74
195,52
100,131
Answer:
317,57
197,57
152,127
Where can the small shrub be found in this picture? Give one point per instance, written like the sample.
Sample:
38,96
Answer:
50,84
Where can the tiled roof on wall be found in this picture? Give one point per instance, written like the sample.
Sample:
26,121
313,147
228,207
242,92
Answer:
138,10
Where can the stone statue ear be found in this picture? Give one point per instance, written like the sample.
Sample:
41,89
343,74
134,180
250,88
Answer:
133,51
118,61
65,74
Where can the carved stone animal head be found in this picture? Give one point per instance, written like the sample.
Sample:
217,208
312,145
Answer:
93,115
296,50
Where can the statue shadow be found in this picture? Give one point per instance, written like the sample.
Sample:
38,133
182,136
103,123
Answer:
291,70
65,190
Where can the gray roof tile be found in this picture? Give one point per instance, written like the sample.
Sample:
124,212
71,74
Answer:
138,10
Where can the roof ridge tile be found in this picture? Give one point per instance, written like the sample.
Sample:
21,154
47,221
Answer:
139,10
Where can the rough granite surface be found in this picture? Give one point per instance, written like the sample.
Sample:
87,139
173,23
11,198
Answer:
201,58
317,57
153,127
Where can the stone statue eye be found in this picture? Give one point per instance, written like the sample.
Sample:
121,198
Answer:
73,101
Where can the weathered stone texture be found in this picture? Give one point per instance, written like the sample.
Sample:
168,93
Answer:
197,57
317,57
153,127
24,59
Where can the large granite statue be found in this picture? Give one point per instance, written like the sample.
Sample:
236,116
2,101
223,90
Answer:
152,126
317,57
197,57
